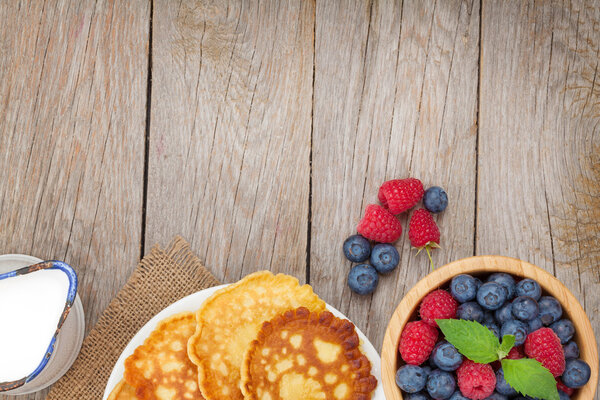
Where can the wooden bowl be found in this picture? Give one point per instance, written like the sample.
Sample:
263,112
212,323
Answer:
407,310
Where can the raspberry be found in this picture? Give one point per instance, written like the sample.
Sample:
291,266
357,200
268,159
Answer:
476,381
400,195
422,229
544,346
515,353
416,342
563,387
379,225
423,232
438,304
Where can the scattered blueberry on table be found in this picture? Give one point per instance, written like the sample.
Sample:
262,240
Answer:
357,248
379,228
384,258
363,279
435,199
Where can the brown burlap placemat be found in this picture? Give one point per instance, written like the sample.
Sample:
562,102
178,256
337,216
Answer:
161,278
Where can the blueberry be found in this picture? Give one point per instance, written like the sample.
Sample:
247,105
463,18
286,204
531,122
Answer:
435,199
427,369
525,308
502,386
418,396
563,396
492,326
458,396
496,396
411,378
488,318
506,281
478,282
470,311
516,328
463,288
384,257
446,357
564,329
357,248
550,310
440,384
571,350
534,324
577,373
504,313
529,287
363,279
491,296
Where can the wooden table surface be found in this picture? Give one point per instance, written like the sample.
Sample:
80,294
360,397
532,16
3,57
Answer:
260,131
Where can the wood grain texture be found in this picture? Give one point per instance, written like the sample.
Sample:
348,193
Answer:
484,265
395,96
539,142
230,132
72,115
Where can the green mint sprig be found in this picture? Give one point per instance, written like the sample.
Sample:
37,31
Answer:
528,377
480,345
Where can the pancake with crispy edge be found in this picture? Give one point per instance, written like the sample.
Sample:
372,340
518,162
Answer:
306,355
229,320
123,391
160,368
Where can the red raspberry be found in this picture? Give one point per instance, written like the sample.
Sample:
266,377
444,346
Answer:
438,304
516,353
563,387
379,225
416,342
496,365
544,346
400,195
476,381
422,230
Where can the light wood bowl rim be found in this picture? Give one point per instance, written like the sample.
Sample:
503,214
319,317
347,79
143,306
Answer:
478,264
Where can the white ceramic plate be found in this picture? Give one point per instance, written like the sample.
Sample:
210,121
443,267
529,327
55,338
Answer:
192,303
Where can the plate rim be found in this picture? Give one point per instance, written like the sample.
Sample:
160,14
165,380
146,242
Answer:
116,373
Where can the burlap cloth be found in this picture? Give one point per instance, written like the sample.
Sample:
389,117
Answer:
161,278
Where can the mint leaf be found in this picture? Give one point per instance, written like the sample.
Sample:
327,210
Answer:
508,341
473,340
528,377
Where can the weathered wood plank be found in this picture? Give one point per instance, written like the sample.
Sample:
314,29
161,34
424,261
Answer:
539,143
395,96
72,115
230,132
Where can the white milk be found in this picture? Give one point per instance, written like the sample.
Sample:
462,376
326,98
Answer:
30,307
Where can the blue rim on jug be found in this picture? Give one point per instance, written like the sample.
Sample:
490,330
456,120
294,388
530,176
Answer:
72,292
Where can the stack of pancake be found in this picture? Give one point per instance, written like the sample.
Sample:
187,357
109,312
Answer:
264,338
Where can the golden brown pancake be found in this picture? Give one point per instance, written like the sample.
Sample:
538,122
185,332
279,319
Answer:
229,321
123,392
303,355
160,368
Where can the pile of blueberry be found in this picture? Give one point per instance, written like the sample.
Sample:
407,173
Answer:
506,307
509,308
383,258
